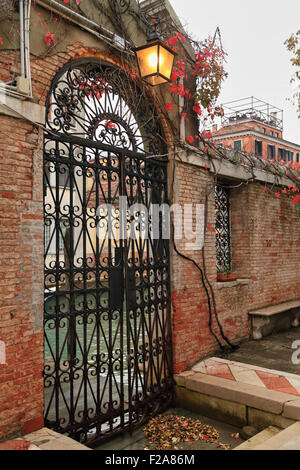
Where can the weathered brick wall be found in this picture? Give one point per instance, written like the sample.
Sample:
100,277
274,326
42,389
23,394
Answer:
21,281
275,243
265,248
21,261
21,246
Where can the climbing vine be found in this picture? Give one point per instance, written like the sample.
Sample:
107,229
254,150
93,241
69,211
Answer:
195,86
293,46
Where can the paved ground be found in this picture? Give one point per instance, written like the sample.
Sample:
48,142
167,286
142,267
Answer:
273,352
138,441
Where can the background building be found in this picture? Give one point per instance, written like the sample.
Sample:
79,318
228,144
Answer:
256,127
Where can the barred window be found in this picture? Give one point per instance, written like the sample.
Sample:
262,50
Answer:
223,247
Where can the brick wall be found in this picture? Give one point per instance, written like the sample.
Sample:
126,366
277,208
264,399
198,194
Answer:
22,249
273,270
265,248
21,281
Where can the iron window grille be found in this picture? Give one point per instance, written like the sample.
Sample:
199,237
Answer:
223,242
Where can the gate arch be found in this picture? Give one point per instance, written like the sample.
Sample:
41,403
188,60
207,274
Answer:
108,364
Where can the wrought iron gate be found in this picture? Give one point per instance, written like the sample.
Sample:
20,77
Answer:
107,303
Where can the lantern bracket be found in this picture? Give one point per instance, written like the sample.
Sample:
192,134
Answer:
154,36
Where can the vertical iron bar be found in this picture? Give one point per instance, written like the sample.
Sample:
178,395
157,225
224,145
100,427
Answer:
57,310
85,312
72,317
122,261
98,288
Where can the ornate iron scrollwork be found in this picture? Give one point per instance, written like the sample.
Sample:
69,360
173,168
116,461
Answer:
107,315
105,104
223,245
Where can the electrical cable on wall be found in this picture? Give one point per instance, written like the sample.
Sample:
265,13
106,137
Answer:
210,297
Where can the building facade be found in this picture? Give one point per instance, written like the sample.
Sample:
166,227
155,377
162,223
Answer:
256,127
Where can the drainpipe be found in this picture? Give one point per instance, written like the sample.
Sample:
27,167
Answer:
21,11
23,80
182,120
94,28
27,7
23,87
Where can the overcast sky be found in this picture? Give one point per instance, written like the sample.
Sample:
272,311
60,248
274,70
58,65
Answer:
253,35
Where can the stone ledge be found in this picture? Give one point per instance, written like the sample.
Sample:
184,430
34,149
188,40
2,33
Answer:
47,439
228,411
180,379
246,394
227,168
275,309
20,109
288,439
292,410
238,282
261,419
274,318
257,439
212,407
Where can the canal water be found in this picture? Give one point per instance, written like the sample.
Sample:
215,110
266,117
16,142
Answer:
101,340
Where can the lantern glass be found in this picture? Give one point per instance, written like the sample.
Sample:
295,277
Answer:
166,60
155,62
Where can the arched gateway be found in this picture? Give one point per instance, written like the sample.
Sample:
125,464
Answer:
107,303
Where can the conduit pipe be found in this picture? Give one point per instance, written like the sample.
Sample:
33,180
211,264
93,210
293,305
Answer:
27,8
87,24
22,48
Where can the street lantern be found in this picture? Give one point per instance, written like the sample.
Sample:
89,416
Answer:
155,60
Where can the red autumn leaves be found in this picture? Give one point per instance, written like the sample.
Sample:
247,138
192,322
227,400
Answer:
290,190
203,64
169,106
49,39
296,199
109,125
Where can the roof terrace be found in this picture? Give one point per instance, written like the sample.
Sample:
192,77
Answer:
252,109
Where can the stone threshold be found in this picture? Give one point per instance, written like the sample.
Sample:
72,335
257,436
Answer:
288,439
44,439
240,394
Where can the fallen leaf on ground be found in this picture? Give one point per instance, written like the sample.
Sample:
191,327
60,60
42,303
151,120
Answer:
225,446
164,431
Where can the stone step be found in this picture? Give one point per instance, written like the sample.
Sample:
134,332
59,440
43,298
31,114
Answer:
259,438
288,439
